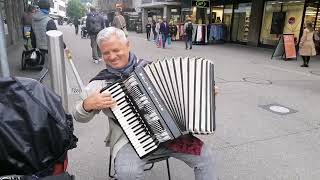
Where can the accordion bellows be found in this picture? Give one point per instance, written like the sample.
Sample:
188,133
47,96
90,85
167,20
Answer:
186,85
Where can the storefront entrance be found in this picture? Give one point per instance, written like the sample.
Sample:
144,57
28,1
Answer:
241,20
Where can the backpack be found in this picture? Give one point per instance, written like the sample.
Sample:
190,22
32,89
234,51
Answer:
94,24
189,28
35,131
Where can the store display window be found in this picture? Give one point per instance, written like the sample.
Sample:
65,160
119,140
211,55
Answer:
216,14
281,17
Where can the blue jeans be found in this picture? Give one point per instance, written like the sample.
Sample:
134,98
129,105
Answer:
188,40
128,165
164,40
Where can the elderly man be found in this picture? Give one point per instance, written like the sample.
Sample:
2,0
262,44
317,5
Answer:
120,62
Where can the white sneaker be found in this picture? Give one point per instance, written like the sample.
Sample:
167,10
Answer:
96,61
99,59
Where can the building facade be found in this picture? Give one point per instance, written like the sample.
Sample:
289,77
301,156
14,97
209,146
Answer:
59,8
256,22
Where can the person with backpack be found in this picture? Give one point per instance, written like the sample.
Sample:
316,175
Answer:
188,30
94,24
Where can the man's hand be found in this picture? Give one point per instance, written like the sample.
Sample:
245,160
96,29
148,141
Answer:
216,90
98,101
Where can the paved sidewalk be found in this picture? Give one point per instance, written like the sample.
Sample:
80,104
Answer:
251,142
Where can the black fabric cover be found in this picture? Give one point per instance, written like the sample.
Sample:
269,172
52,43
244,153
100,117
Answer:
35,131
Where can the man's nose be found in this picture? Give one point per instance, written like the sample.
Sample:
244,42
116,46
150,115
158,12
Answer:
112,56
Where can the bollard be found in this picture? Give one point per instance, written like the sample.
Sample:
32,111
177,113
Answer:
3,51
57,65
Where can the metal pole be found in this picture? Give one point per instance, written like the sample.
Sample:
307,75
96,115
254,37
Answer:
57,65
3,51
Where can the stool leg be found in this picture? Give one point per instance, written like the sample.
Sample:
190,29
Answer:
168,169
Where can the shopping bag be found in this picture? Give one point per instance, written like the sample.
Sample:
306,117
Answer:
159,43
169,40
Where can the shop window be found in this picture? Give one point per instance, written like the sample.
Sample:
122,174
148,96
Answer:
281,17
311,15
216,14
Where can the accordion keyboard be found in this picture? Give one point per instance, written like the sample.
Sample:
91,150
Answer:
131,122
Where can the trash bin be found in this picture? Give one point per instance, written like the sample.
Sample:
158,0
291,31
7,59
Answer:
139,27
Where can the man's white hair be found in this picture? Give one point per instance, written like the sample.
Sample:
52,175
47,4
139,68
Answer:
107,33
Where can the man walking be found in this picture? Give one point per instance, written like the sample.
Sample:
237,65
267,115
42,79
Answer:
164,31
120,23
188,30
76,23
94,25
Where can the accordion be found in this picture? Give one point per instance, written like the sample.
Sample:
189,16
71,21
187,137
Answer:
164,100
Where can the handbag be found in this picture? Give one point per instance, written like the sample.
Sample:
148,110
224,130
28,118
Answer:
169,40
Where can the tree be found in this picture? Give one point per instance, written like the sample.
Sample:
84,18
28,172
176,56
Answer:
75,9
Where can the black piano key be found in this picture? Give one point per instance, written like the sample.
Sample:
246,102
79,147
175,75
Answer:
148,144
145,139
148,148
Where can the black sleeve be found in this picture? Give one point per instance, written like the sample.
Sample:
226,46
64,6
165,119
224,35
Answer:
102,22
51,25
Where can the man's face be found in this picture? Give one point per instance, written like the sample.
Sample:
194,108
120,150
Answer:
115,53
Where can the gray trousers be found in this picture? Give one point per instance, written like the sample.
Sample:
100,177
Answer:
128,165
94,46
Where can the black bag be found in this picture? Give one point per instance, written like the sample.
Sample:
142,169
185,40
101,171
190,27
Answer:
63,176
94,24
35,131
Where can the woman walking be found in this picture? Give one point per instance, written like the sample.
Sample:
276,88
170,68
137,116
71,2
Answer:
307,47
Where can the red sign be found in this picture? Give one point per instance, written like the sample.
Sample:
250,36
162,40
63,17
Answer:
289,46
292,20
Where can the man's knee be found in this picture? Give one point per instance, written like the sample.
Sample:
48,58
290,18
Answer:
128,172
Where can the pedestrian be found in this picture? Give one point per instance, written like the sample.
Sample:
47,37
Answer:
157,29
188,30
94,25
120,23
164,31
41,23
148,30
76,23
172,30
120,62
307,47
26,22
154,23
